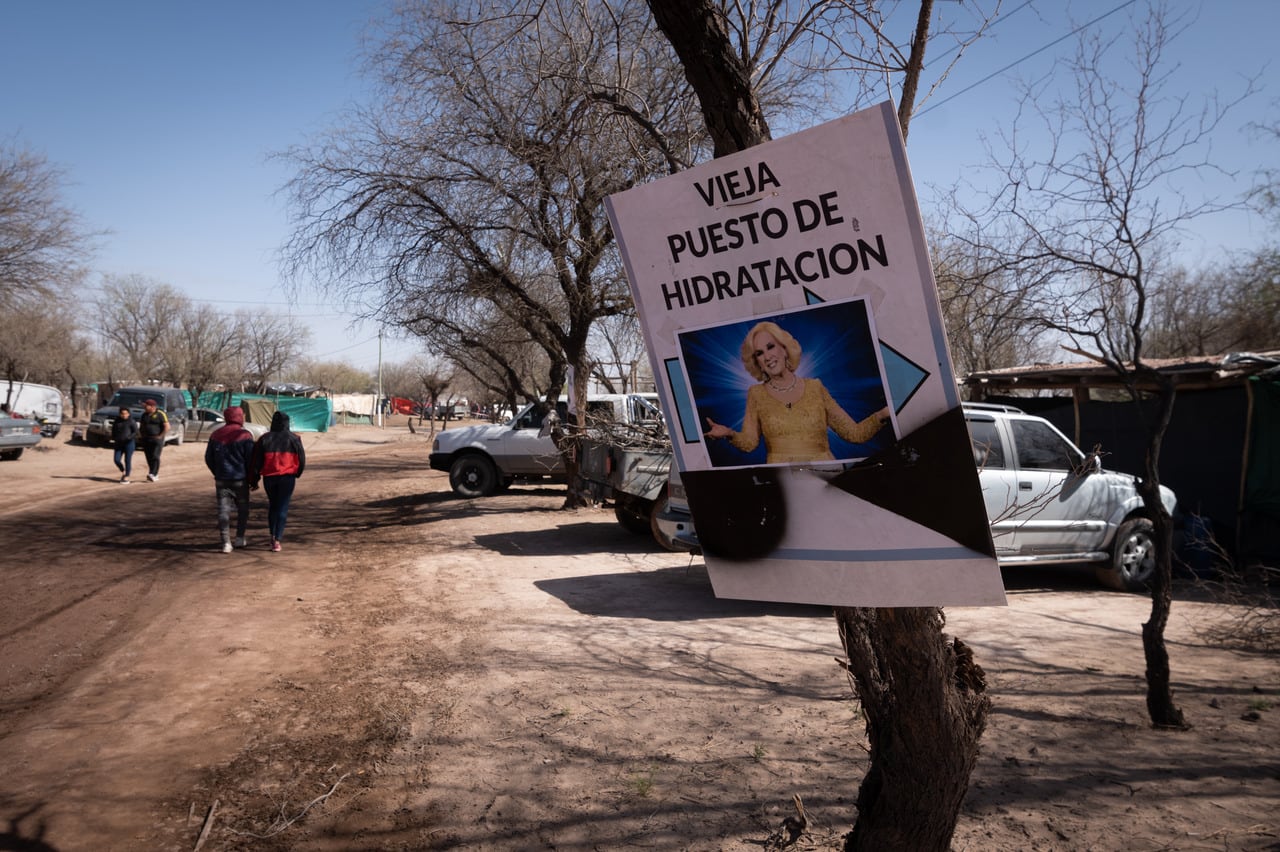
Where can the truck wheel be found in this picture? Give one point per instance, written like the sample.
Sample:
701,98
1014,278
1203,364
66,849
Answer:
12,455
634,515
473,476
1133,558
665,541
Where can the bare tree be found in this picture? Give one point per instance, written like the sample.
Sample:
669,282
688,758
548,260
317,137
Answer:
620,363
986,310
335,376
140,319
37,338
43,245
1094,216
471,197
204,352
268,346
1229,308
921,758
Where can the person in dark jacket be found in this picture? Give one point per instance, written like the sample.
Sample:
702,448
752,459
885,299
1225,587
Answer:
278,458
229,457
124,435
153,425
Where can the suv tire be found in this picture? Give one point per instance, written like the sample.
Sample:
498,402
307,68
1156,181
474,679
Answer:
633,514
1133,557
473,475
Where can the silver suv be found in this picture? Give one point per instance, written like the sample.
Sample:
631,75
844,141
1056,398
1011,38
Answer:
1047,502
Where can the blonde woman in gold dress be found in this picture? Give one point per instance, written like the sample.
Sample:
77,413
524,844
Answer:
792,414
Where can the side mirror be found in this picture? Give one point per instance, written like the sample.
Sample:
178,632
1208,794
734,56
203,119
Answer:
1092,464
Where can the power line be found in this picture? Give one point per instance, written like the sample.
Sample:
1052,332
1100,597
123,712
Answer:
1016,62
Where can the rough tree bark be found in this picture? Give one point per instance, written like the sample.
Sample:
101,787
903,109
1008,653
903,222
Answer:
923,696
926,705
1162,710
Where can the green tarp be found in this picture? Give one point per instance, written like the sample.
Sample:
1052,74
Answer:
305,415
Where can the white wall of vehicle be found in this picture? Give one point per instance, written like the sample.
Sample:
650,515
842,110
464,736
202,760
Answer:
39,402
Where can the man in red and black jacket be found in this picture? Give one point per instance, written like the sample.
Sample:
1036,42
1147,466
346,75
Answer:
229,458
278,458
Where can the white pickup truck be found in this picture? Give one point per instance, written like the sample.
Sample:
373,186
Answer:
1047,502
486,458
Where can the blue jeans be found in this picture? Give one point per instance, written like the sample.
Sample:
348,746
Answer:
232,492
123,457
279,492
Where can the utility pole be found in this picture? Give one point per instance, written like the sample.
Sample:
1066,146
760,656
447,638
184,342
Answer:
378,403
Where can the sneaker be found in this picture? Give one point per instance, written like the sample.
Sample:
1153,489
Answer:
275,546
124,480
240,541
226,547
151,477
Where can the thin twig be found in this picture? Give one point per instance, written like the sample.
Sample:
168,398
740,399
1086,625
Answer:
280,826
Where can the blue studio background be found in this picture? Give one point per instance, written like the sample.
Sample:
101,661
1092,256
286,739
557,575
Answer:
837,347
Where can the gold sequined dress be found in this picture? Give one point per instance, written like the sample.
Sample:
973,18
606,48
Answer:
798,432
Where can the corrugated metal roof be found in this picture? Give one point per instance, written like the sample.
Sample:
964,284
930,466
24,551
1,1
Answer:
1196,370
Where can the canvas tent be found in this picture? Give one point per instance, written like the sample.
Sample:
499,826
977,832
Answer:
305,415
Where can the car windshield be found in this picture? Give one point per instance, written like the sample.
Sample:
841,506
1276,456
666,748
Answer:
133,399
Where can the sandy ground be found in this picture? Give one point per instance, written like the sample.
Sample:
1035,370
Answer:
416,671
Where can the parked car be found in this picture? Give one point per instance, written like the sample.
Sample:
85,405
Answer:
485,458
16,435
172,401
203,422
1047,502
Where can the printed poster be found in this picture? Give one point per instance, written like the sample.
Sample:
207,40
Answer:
792,321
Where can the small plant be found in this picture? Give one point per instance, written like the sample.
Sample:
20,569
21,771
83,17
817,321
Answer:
641,783
757,753
1260,704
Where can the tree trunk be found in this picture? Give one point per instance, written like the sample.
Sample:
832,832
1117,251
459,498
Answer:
925,703
924,697
696,29
1160,707
915,64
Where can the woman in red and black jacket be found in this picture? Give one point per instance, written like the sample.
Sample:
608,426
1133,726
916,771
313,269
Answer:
278,458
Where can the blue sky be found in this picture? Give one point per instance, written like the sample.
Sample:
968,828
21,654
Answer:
164,115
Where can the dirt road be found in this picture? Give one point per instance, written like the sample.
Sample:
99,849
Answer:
415,671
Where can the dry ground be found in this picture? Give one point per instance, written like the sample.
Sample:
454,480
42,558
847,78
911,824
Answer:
415,671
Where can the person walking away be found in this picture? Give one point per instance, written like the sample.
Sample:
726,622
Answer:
124,436
229,457
153,425
279,459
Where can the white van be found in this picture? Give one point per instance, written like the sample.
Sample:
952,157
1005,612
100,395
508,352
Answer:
39,402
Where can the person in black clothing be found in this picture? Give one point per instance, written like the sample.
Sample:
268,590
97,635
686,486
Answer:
153,425
124,435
